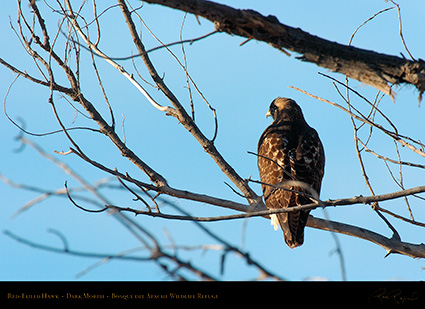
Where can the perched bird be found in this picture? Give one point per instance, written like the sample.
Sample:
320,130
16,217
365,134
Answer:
291,163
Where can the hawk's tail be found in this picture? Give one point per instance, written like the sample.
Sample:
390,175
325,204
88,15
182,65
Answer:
293,224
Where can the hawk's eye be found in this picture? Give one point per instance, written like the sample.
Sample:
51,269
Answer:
272,109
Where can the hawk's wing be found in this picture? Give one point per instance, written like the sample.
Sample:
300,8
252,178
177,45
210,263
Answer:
294,162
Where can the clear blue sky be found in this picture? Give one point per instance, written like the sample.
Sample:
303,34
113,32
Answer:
240,82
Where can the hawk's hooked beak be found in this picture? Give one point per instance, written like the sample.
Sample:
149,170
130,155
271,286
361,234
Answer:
268,114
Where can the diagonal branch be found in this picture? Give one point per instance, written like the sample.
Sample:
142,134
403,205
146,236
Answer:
75,94
182,115
392,245
369,67
93,48
395,136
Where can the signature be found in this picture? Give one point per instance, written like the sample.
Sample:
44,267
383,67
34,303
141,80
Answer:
397,296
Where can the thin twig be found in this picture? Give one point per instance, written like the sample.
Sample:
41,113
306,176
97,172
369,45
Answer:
401,30
121,69
362,118
182,115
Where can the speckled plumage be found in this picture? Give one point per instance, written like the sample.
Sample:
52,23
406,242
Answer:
291,156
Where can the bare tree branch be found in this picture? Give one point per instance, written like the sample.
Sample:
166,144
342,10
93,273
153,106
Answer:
376,69
182,115
390,244
156,255
364,119
78,96
93,48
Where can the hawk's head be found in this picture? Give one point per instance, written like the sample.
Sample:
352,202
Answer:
285,109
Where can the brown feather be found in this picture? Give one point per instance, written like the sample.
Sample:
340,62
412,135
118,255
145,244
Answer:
290,158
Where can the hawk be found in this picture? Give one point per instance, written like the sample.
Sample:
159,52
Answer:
291,163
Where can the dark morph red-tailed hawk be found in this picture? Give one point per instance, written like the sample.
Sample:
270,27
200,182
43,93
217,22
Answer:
290,160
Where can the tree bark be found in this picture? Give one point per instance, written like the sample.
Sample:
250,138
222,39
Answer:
375,69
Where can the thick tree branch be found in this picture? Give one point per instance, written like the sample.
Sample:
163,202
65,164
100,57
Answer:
375,69
392,245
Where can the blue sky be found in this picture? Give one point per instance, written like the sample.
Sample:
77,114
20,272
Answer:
239,82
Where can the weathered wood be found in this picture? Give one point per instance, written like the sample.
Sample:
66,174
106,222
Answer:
375,69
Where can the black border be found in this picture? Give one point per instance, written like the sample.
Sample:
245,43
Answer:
14,293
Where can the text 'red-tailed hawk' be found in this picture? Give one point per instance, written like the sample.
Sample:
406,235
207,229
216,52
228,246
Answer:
290,160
